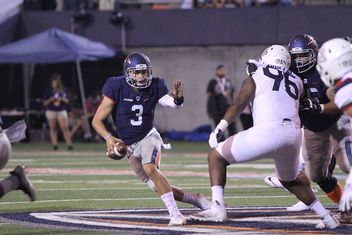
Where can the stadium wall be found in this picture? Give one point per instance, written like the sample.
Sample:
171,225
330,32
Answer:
189,44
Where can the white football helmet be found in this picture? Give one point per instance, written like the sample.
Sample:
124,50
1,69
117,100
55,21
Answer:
277,56
334,60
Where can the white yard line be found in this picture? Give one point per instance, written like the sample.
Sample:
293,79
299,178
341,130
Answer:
134,199
144,188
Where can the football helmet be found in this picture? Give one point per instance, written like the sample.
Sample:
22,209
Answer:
277,56
334,60
138,70
303,49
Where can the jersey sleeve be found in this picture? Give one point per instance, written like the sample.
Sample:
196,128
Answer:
111,89
162,88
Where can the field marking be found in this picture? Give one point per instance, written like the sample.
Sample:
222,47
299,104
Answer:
138,219
144,188
134,199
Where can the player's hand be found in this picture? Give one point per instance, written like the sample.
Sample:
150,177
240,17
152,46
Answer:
177,89
215,137
311,105
251,68
346,199
110,144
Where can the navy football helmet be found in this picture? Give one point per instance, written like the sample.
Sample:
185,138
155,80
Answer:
303,49
138,70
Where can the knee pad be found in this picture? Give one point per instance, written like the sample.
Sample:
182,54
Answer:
328,184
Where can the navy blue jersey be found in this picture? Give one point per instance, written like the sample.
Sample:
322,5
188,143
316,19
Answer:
56,105
134,112
1,123
316,89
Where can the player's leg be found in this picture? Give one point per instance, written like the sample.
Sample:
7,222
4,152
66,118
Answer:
237,148
317,150
301,188
149,149
17,180
63,122
198,200
51,117
341,140
217,172
286,160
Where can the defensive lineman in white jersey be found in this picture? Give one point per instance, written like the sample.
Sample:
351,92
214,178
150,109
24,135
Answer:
276,134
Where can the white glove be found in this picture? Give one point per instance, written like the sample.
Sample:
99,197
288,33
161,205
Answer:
213,142
346,199
218,134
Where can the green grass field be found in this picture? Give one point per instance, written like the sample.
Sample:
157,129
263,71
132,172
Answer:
87,179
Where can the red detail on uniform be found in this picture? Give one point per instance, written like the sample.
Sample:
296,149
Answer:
335,195
343,82
346,107
157,159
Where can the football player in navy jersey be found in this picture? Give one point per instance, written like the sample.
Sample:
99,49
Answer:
17,180
335,68
131,100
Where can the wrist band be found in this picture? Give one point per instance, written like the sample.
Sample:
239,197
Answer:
107,136
223,124
179,101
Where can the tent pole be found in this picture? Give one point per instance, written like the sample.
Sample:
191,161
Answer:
83,98
28,71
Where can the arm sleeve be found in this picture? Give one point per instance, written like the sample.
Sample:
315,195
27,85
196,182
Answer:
168,100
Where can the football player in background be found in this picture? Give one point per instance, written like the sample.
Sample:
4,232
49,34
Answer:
17,180
322,137
131,100
335,69
275,93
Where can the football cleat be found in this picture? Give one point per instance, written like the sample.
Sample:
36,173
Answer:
216,213
299,206
177,220
328,221
25,184
202,202
273,181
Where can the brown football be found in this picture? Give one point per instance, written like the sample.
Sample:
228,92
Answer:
120,151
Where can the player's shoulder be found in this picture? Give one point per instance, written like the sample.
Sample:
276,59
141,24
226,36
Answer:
117,79
157,81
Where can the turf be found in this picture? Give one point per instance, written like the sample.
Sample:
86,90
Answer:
63,183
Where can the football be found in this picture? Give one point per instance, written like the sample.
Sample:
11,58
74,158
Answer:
120,151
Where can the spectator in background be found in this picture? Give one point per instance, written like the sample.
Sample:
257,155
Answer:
80,121
56,102
220,95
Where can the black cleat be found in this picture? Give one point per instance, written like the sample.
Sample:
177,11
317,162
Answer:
25,184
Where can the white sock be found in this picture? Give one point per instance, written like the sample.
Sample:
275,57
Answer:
318,208
170,203
189,198
217,193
